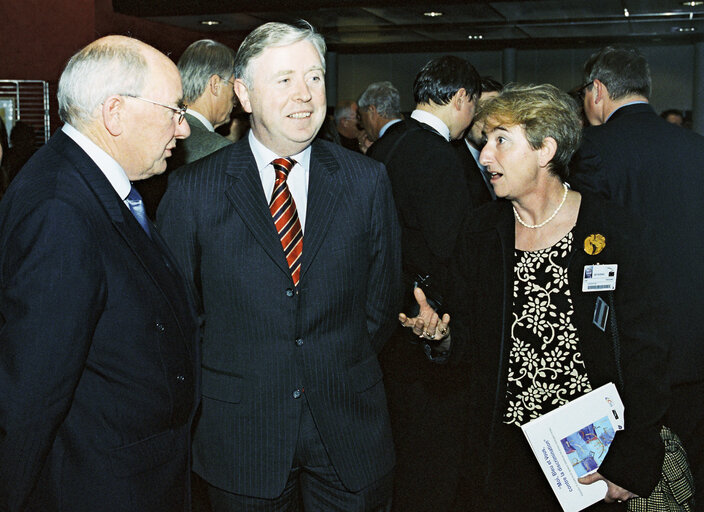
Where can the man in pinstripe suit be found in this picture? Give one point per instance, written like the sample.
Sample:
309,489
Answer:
294,411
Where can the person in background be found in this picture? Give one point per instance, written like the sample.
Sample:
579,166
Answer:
292,247
98,341
379,108
480,189
653,168
427,402
673,116
206,68
351,136
531,324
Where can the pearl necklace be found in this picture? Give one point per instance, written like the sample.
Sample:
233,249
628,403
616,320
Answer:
536,226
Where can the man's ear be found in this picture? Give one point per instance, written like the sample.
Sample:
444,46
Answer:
214,83
113,114
547,151
242,93
460,98
599,90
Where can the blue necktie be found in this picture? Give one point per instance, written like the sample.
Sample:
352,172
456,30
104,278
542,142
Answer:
136,206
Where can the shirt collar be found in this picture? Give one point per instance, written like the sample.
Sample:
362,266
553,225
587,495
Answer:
264,156
433,121
625,105
107,164
202,119
387,126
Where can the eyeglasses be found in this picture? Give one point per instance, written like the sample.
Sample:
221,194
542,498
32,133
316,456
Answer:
179,111
582,91
231,82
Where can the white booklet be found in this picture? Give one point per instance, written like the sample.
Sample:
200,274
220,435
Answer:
571,441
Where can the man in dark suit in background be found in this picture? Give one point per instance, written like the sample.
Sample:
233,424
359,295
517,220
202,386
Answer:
98,366
292,248
427,178
207,74
480,189
378,109
632,156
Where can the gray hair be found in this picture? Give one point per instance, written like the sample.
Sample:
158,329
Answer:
274,34
622,69
199,62
384,96
344,110
97,72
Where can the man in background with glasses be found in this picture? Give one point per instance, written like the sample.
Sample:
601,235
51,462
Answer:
207,72
98,353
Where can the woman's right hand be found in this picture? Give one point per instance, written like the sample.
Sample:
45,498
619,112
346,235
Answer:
427,325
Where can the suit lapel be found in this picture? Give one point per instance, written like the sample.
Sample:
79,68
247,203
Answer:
247,197
152,256
324,191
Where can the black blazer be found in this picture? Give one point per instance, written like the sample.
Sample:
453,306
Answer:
654,169
477,187
98,367
265,344
430,191
481,305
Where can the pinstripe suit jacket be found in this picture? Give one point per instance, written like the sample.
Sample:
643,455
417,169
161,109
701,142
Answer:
263,340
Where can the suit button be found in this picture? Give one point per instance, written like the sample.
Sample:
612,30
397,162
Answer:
299,341
297,393
180,378
160,327
289,292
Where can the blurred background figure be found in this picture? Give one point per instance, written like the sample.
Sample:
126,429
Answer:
207,69
378,108
4,178
480,189
673,116
22,146
346,124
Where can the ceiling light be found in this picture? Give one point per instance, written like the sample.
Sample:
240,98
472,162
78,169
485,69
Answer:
686,29
475,36
210,23
432,14
626,13
693,4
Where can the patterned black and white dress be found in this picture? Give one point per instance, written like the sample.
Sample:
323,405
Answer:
545,368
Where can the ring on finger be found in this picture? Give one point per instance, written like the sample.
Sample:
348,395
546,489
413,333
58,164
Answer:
428,335
443,331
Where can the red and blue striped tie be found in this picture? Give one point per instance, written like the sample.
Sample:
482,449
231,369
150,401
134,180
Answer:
283,211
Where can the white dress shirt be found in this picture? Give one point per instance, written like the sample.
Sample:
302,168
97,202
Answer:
297,179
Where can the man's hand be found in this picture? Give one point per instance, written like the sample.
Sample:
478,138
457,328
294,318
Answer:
613,493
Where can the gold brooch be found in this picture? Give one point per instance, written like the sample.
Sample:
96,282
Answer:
594,244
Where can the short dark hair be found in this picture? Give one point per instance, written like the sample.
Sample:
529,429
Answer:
622,69
491,84
440,79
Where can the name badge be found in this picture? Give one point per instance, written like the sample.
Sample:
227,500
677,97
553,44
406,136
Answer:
597,278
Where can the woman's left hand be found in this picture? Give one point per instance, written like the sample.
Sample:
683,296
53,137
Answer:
613,493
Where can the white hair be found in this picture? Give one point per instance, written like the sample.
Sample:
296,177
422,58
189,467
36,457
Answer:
97,72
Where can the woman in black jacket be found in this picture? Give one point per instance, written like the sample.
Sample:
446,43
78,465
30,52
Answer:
523,304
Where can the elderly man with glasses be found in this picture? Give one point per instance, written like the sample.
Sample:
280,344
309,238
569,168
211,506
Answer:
98,352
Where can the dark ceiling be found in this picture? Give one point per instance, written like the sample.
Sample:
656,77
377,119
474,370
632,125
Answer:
396,26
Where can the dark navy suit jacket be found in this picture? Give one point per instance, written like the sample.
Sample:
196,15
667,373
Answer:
267,347
98,363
